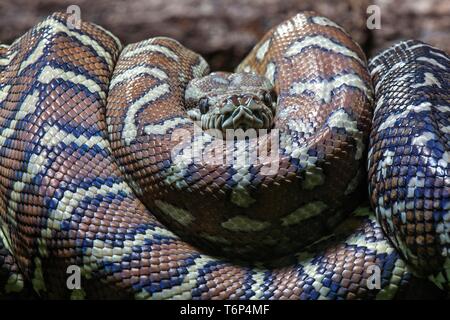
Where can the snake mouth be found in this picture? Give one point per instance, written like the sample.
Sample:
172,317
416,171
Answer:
246,113
245,117
236,113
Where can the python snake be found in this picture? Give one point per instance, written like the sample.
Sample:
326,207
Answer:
102,147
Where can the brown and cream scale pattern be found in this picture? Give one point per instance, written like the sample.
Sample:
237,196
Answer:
74,189
323,117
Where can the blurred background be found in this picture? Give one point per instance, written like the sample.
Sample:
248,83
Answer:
223,31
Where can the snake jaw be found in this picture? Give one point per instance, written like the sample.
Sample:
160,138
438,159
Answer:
246,113
236,113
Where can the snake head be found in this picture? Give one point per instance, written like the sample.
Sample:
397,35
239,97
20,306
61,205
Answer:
233,101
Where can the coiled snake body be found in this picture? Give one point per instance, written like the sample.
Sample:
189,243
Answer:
102,147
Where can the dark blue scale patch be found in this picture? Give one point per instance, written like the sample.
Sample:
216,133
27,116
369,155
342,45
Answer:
206,269
66,225
117,243
50,203
126,260
78,131
95,202
332,296
230,182
304,296
327,282
129,236
438,150
294,162
152,288
317,260
253,171
309,280
122,193
314,295
248,292
137,249
321,270
85,202
85,244
191,176
110,237
100,236
146,284
9,142
335,287
22,124
135,256
267,282
111,267
35,65
312,152
339,130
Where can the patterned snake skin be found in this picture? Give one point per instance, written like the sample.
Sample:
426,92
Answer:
102,167
409,154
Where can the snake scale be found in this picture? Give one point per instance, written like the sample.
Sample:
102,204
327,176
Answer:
110,156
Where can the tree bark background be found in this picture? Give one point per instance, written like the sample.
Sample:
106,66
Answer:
225,30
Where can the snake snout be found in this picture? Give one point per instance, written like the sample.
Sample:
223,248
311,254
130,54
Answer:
245,112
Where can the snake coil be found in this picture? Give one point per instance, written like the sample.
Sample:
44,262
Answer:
99,167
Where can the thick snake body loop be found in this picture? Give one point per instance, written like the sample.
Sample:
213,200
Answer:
238,208
87,176
409,156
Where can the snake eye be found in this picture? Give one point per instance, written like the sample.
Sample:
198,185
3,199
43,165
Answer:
269,97
203,106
